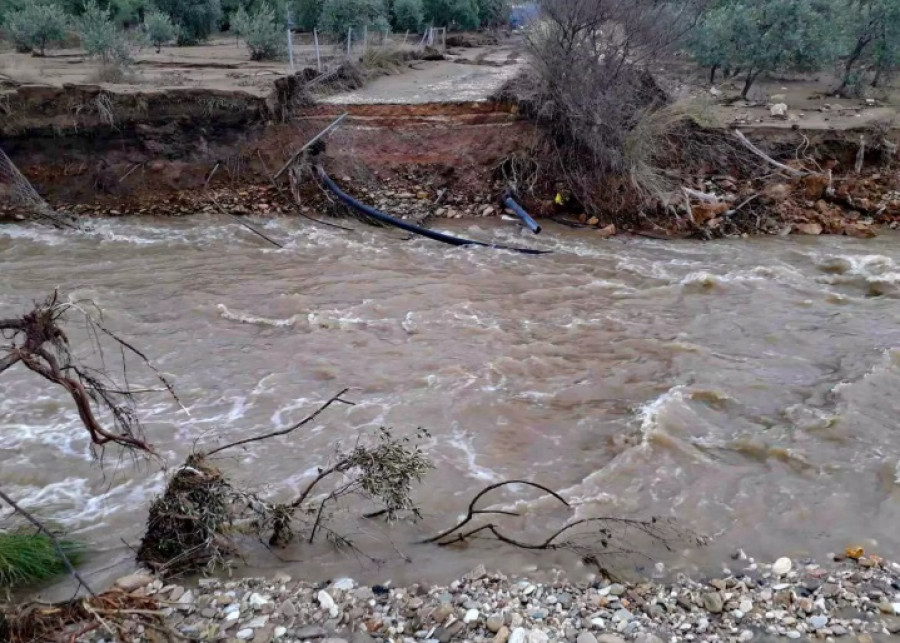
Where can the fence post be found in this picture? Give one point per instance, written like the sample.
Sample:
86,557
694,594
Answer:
290,38
318,53
349,40
365,38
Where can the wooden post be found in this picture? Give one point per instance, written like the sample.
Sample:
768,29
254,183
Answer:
318,52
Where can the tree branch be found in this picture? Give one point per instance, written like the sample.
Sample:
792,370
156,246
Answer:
290,429
472,512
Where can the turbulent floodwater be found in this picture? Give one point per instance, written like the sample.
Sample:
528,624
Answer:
748,389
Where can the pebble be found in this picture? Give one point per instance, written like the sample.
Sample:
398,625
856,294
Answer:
494,623
782,566
846,599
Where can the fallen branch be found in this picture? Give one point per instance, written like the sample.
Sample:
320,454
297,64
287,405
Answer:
296,155
781,166
290,429
472,512
244,223
702,196
291,202
38,341
860,155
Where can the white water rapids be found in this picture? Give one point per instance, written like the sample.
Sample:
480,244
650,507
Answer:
749,389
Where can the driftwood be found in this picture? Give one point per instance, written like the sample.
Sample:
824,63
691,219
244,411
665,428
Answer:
38,342
296,155
605,537
244,223
768,159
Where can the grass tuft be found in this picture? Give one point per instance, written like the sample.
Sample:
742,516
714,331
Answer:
27,558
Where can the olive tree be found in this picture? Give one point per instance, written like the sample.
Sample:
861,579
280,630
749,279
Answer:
159,28
306,13
761,36
339,16
100,36
447,13
196,19
872,31
261,31
494,13
407,15
36,25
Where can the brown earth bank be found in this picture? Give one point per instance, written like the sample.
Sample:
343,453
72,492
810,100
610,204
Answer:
97,152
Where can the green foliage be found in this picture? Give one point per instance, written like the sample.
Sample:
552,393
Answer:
196,19
31,558
872,42
100,36
261,32
159,28
463,14
239,23
128,13
494,13
36,25
407,15
306,13
761,36
339,16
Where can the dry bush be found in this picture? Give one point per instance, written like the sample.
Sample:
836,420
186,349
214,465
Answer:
592,91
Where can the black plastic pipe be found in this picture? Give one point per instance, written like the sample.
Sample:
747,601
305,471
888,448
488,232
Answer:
409,227
520,212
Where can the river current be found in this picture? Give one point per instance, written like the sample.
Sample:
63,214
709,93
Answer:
749,389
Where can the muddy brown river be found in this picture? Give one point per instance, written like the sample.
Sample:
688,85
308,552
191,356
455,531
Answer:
749,389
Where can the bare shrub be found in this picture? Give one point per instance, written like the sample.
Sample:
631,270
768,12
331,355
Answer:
591,87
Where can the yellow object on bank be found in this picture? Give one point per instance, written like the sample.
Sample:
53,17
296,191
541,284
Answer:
559,199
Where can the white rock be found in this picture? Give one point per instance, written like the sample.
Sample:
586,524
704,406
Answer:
279,632
536,636
234,615
779,110
599,623
186,602
471,616
896,607
746,605
344,584
586,637
257,600
259,621
245,634
518,635
325,600
134,581
782,566
746,635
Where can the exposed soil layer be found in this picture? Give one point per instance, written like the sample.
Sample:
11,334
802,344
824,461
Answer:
171,152
93,151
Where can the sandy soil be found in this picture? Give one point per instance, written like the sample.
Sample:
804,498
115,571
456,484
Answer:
221,64
810,105
468,75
